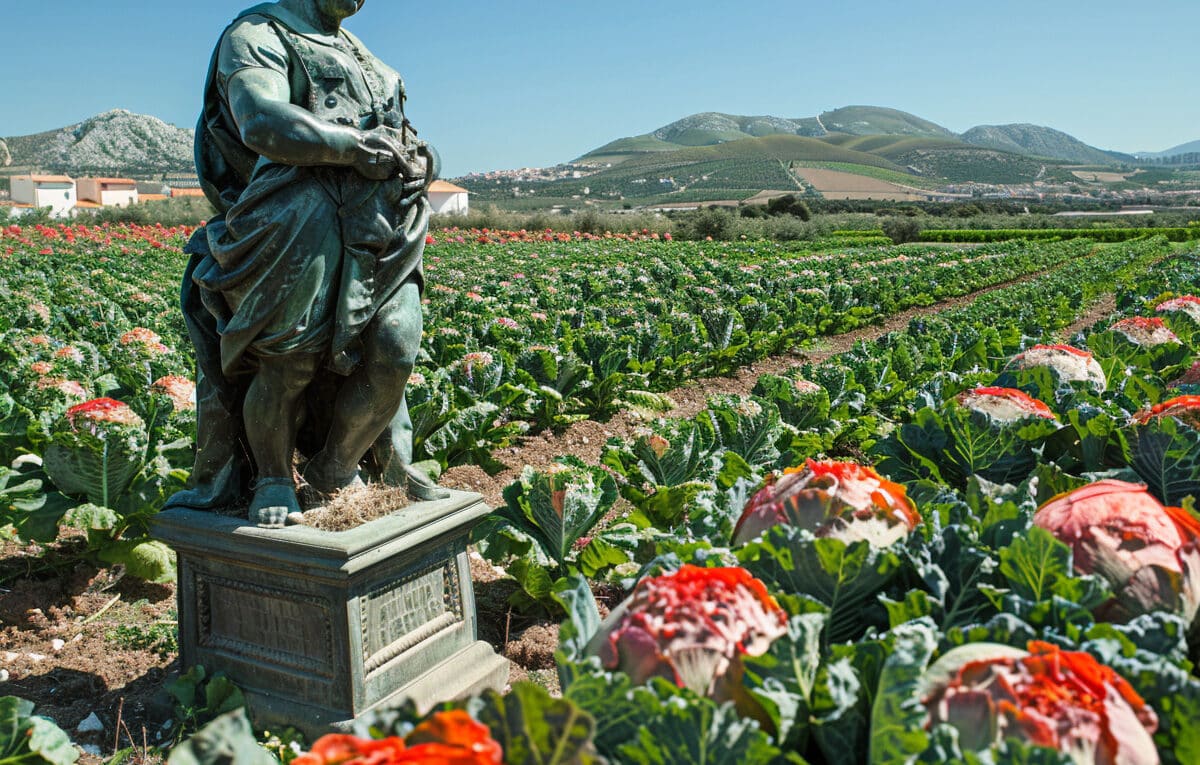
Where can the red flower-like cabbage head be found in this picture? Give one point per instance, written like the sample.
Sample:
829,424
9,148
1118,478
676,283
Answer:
842,500
1063,700
1004,404
1148,553
1145,331
692,627
180,390
1185,304
1186,409
445,738
1068,363
103,410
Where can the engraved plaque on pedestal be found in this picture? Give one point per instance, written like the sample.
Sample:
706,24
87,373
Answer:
318,627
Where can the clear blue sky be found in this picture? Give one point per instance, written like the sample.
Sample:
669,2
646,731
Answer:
514,83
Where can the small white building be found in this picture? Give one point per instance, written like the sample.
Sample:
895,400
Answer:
447,199
108,192
54,191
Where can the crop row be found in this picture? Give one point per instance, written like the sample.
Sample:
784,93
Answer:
875,588
819,615
577,332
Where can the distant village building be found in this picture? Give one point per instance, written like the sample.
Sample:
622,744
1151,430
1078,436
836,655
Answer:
182,180
108,192
446,198
146,188
178,191
37,191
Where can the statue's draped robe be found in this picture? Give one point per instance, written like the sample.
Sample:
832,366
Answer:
298,259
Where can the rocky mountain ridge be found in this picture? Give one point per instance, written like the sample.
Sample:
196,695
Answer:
115,142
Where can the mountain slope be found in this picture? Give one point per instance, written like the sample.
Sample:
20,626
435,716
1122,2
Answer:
738,169
705,129
877,120
861,128
116,141
712,128
1190,147
5,156
1038,141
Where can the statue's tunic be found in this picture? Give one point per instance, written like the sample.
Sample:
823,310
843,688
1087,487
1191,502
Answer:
298,259
302,257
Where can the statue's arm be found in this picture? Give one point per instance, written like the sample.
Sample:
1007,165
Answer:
259,100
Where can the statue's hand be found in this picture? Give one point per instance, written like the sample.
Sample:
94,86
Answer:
379,156
414,167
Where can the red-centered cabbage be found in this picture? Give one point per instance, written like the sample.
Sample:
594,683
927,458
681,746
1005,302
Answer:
446,738
180,390
842,500
1145,331
692,627
1004,405
1068,363
1063,700
1186,409
1185,304
1148,553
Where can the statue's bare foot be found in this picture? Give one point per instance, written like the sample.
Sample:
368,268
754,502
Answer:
274,499
327,477
420,487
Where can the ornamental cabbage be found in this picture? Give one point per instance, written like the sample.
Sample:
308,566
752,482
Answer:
692,627
1188,305
1140,341
1164,448
1144,331
1182,316
991,432
1047,697
842,500
97,448
1003,405
451,737
1183,408
1149,554
180,390
1067,363
170,402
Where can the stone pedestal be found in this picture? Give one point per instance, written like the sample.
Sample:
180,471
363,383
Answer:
318,627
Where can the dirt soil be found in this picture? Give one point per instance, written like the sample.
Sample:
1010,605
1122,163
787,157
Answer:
78,640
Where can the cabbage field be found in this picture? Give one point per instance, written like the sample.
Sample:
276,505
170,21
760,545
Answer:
971,540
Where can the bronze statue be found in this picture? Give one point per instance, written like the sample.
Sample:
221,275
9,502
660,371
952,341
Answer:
302,295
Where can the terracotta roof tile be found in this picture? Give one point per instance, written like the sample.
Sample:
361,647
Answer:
126,181
446,187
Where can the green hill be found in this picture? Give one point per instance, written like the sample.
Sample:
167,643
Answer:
741,168
871,129
877,120
713,155
1039,141
704,129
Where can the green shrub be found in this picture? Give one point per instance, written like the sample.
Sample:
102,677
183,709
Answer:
902,230
710,222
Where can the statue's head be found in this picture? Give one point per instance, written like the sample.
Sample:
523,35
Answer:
337,10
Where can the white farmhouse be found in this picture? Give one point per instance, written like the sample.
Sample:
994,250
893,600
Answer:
108,192
54,191
446,198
